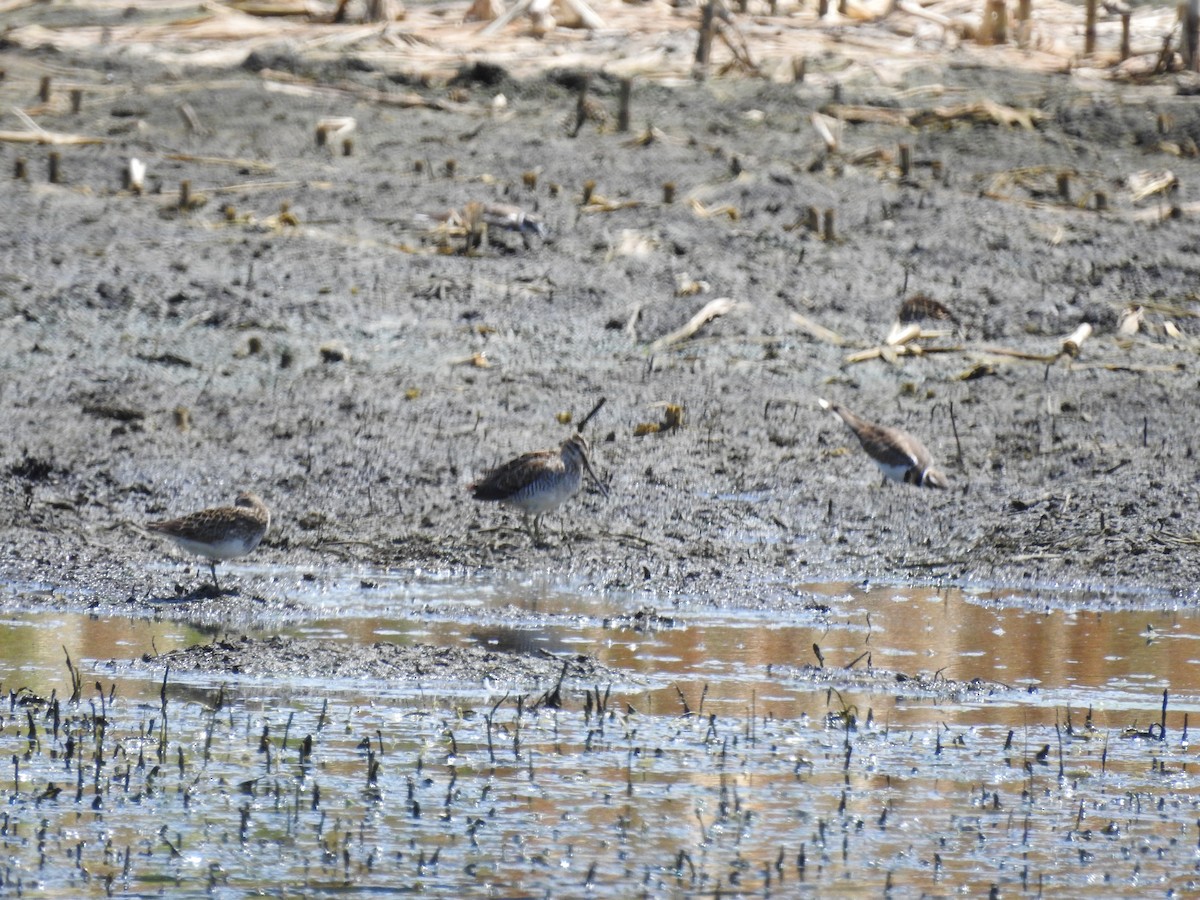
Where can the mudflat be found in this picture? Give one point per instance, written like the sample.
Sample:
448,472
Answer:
749,650
297,325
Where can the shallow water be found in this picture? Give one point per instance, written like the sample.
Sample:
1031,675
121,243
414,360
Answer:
774,774
1036,655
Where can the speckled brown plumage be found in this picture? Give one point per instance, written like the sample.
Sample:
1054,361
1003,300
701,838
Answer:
920,307
222,532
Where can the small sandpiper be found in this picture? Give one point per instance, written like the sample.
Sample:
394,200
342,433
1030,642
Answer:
899,455
539,482
513,218
222,532
474,216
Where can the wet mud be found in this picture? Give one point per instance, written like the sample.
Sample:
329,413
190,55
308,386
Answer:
334,358
381,660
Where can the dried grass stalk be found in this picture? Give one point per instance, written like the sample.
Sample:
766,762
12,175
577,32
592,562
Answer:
818,331
711,310
1146,184
46,137
902,334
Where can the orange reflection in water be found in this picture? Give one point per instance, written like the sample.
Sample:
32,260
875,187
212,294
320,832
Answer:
734,662
1035,661
33,646
1046,659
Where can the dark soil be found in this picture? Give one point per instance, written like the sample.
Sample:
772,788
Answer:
337,361
431,665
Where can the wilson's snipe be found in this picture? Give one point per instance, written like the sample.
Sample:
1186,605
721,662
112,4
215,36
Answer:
539,482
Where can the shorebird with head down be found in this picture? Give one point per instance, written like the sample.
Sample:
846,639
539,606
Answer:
539,482
222,532
899,455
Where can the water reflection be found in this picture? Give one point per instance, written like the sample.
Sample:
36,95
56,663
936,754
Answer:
1036,659
770,795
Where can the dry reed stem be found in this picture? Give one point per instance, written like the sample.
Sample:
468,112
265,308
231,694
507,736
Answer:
252,164
711,310
818,331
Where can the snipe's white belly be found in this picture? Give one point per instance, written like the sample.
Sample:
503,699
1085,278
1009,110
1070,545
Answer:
547,493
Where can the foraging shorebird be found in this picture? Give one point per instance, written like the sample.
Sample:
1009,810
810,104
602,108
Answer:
899,455
475,217
539,482
513,218
222,532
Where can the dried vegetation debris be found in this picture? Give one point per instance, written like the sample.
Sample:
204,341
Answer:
281,656
771,40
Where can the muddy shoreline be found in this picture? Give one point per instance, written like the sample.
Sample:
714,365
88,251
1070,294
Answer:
716,679
158,360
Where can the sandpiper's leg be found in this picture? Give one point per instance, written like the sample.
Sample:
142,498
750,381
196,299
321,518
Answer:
212,567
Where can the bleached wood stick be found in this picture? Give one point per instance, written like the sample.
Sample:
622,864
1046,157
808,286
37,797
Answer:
821,124
711,310
514,13
1070,347
588,16
913,9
